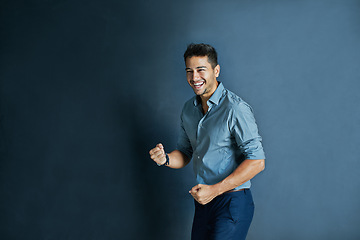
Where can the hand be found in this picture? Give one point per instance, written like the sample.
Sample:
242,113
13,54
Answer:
158,154
204,194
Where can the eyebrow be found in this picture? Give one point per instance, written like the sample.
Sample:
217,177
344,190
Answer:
196,67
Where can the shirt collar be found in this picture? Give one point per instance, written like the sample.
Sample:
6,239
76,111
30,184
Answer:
215,98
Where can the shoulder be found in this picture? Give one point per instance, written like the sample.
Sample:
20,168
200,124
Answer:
189,102
235,103
188,105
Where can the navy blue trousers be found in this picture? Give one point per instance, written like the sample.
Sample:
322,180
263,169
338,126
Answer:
226,217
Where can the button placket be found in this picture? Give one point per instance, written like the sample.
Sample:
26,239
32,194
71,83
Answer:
200,124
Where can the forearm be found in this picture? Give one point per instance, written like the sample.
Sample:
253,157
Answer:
243,173
177,159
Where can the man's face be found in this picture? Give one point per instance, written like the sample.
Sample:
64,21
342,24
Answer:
201,76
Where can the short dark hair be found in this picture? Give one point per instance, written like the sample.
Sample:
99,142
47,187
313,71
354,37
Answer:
202,49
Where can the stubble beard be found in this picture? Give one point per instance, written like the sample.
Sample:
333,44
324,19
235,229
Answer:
204,92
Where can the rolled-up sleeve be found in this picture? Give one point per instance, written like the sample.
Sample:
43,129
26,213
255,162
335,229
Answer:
183,144
245,131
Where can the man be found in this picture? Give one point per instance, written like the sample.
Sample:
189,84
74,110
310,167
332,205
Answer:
219,133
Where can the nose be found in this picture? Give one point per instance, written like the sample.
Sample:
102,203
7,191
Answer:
195,76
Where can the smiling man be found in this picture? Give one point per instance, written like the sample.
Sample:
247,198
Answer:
219,134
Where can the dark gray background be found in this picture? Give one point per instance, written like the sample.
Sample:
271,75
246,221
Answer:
88,87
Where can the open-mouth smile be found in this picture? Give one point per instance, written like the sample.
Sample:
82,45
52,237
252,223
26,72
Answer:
198,84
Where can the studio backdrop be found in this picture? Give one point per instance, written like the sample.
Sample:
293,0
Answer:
87,88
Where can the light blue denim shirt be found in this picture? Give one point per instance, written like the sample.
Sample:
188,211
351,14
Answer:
220,140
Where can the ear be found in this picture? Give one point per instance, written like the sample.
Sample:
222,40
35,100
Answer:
217,70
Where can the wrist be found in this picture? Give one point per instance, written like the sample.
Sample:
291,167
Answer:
220,188
167,161
217,189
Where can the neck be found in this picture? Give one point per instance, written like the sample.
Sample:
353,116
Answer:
204,98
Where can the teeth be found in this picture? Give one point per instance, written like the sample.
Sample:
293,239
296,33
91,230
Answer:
198,84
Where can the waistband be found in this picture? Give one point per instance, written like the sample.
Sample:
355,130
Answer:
237,190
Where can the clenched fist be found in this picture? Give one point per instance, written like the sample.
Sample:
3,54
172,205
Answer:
158,154
204,194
